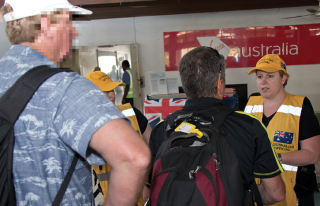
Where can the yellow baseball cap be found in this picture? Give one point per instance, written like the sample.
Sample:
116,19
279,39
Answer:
270,63
103,81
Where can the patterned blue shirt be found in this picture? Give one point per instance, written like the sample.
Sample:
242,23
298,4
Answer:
59,120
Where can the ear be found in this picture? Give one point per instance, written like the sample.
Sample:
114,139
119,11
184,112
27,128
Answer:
220,89
43,34
284,78
45,24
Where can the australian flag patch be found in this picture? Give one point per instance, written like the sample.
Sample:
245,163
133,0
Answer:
283,137
283,66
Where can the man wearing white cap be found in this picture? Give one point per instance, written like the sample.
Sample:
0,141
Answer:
67,115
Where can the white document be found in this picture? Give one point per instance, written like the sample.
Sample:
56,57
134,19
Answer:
158,83
172,84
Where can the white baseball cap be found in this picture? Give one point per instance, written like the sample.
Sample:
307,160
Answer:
25,8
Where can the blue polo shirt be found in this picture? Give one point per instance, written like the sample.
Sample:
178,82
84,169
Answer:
58,122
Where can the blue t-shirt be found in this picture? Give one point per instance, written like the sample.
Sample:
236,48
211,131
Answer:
126,78
58,121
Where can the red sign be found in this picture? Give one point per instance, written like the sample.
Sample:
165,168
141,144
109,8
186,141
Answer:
243,47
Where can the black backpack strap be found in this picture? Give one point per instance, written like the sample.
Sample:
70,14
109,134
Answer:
219,117
65,183
13,102
220,112
168,122
19,94
257,196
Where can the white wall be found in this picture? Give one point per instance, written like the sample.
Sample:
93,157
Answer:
4,42
148,33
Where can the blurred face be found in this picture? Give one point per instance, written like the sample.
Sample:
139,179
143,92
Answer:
269,84
57,33
111,95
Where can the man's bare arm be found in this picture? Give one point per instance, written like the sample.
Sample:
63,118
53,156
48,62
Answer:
272,190
129,158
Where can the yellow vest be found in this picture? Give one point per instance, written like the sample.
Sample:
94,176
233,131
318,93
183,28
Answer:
103,172
283,130
130,92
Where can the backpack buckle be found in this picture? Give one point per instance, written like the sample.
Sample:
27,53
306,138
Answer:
194,172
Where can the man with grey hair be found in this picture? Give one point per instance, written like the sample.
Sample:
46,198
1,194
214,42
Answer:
202,72
68,115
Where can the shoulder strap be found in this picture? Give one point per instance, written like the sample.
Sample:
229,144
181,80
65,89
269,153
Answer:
220,112
15,100
65,183
19,94
257,196
168,122
220,116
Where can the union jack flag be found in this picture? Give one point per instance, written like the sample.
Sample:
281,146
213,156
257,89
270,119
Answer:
279,133
283,137
156,110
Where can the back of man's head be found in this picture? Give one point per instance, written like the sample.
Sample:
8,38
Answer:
20,30
199,71
125,64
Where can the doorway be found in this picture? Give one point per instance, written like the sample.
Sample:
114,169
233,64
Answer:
109,59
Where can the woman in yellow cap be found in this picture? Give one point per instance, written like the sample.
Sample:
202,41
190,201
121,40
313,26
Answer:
138,122
293,129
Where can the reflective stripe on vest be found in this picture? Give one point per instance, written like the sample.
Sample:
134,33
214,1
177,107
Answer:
253,109
288,109
104,176
128,112
130,92
290,167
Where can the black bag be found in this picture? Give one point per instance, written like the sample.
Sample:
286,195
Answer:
198,168
12,103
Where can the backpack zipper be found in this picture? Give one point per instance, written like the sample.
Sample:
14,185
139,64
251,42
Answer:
191,172
216,162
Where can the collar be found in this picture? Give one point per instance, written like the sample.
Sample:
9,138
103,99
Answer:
28,52
201,103
44,58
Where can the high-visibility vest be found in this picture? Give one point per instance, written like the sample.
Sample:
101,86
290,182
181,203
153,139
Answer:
103,172
130,92
283,130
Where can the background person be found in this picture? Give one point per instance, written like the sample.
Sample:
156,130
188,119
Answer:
293,128
97,69
127,79
67,115
202,72
138,121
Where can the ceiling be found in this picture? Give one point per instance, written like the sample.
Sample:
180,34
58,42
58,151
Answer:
106,9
